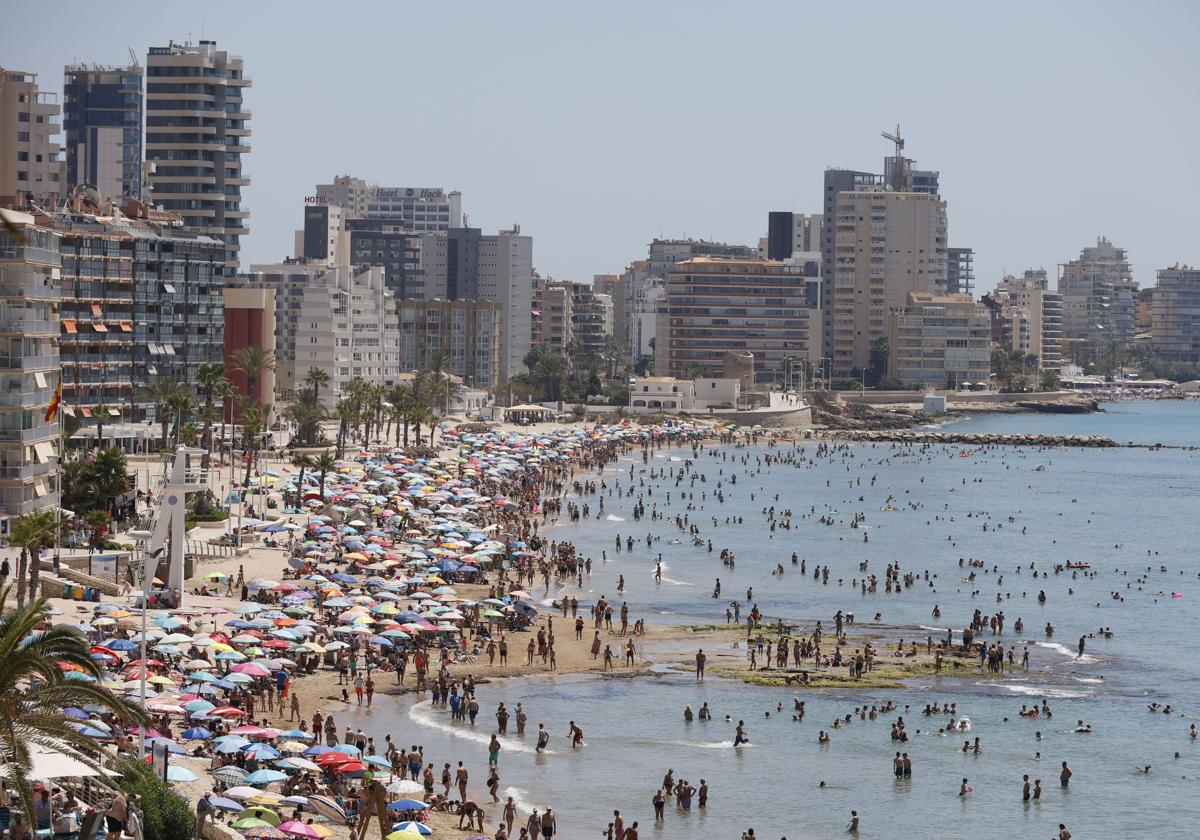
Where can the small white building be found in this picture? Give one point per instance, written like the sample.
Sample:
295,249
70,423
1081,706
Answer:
651,394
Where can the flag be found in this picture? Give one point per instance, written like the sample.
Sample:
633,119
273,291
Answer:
52,409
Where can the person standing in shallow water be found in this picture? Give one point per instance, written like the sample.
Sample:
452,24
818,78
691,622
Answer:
700,660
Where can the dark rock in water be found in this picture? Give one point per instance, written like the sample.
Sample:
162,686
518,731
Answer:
1075,405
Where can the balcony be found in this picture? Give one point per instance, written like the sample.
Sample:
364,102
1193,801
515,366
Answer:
46,433
27,399
28,362
22,326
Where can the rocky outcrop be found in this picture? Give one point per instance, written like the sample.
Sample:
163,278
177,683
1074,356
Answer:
973,438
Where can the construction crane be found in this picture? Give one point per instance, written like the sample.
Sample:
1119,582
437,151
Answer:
895,138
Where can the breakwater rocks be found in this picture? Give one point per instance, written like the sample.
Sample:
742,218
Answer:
972,438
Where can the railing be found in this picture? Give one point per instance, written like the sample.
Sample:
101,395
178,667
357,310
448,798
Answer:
24,362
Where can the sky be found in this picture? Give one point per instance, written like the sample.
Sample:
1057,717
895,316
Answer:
598,127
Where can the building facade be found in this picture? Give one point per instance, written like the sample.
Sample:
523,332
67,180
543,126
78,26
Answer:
960,271
886,246
197,134
416,209
715,306
1175,315
141,299
791,233
939,341
665,253
1098,292
465,333
249,322
30,159
29,367
347,327
102,120
1034,317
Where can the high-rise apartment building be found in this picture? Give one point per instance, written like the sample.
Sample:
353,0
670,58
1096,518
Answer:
325,237
141,298
665,253
792,233
882,237
466,331
348,327
960,271
465,264
102,119
417,209
886,246
939,341
197,132
715,307
1034,315
1175,315
1098,290
30,163
29,367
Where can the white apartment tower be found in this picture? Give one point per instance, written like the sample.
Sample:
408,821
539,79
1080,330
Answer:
197,131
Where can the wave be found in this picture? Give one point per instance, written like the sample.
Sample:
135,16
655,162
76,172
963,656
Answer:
933,629
612,518
1043,691
705,745
1066,651
1099,680
520,798
674,582
422,713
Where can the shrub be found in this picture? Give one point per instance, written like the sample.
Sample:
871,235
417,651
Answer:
165,814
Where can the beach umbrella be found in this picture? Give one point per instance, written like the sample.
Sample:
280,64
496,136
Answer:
251,823
176,773
409,826
230,774
261,752
224,804
404,834
402,786
328,808
196,733
295,828
242,792
264,832
407,805
264,777
260,813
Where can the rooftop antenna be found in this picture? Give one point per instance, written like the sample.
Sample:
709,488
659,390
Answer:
132,56
895,138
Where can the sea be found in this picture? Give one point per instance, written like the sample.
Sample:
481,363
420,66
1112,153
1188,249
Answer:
1132,513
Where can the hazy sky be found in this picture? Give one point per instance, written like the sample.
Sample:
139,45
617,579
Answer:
598,127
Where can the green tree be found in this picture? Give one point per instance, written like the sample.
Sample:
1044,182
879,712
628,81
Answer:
182,405
302,462
30,533
252,362
325,462
308,415
98,522
34,664
108,476
209,377
224,390
315,378
165,814
160,391
346,412
877,361
1049,381
100,414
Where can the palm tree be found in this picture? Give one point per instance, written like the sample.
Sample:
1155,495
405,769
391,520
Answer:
100,413
108,476
160,391
308,415
303,462
252,362
209,376
315,378
31,534
401,398
34,665
252,429
345,413
224,390
324,463
182,404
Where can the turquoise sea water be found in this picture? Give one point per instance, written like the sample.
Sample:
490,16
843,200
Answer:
1131,513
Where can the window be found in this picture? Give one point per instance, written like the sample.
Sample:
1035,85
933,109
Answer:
22,136
23,116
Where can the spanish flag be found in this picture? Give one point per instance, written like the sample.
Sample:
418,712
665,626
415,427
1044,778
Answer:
52,409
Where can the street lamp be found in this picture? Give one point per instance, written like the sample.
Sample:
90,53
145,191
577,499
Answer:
141,537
